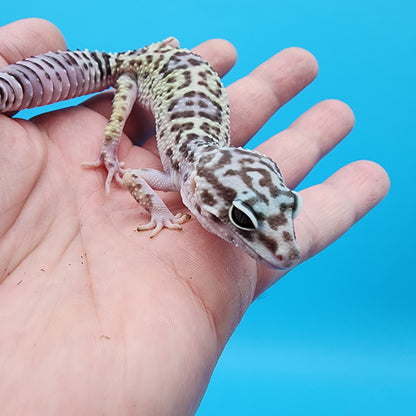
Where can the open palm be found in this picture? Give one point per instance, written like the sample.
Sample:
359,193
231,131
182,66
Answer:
95,317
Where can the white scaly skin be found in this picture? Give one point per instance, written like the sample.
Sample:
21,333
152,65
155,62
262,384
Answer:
234,193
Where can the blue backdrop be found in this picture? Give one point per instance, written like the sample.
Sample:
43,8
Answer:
338,334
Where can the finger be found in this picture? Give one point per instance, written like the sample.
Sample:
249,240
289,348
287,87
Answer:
28,37
331,208
297,149
219,53
256,97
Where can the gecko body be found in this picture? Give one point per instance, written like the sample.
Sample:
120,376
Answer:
237,194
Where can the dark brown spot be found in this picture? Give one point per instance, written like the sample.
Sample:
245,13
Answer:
287,237
194,62
216,93
207,198
226,193
205,127
215,219
175,165
188,80
191,157
266,181
216,129
268,242
172,105
293,254
164,50
178,137
275,221
182,127
184,150
165,69
217,105
191,136
213,117
158,62
249,160
207,139
225,159
246,234
146,202
181,53
182,114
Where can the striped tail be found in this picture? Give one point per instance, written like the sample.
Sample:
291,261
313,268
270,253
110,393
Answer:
52,77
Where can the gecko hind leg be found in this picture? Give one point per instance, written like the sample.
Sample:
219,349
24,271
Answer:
137,182
124,98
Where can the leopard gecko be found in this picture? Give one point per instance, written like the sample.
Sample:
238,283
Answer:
235,193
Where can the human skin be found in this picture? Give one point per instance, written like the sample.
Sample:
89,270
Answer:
95,317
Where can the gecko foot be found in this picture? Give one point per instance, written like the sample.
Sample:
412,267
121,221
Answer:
171,223
114,170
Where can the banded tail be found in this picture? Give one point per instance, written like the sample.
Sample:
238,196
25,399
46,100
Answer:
52,77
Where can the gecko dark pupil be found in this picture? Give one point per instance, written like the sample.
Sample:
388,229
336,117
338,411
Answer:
241,219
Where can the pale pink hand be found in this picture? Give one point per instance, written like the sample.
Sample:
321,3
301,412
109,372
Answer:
96,318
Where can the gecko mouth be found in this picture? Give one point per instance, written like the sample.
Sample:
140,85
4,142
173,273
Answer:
279,262
283,260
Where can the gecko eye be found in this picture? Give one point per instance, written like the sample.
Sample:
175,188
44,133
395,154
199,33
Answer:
297,204
242,216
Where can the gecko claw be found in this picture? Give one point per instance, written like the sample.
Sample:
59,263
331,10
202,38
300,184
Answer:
171,223
114,171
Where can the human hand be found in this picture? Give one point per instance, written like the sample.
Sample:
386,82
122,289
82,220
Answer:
95,317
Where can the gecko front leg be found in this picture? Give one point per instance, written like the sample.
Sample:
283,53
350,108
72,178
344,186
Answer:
141,184
124,98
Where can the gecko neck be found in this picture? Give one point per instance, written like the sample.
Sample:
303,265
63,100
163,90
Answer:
197,156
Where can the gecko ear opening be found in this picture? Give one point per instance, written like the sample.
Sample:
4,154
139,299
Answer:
242,216
297,205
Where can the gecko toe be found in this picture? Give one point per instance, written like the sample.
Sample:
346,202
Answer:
182,218
172,223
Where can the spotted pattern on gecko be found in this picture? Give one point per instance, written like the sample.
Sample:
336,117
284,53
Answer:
235,193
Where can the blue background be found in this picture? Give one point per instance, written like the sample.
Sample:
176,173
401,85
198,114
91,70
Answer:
338,334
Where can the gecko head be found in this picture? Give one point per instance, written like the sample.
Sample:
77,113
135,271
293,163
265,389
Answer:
241,196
